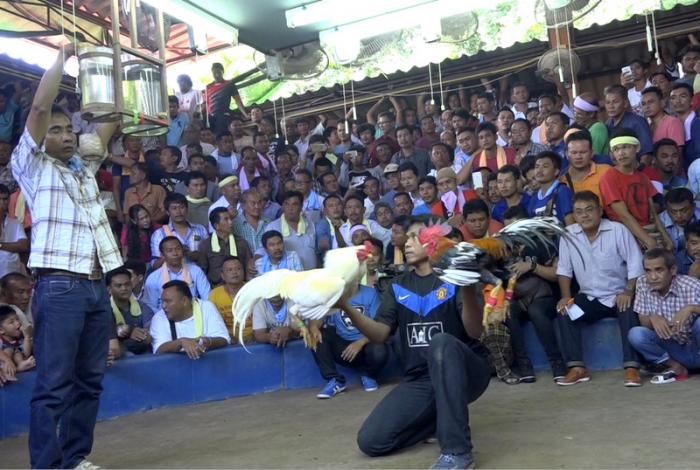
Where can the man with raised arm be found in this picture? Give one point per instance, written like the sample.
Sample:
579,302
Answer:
72,246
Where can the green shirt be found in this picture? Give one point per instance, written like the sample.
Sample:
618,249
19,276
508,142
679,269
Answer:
599,134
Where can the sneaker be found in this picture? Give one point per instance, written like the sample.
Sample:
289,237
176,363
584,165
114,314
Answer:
528,379
455,461
574,376
632,378
332,388
369,384
87,465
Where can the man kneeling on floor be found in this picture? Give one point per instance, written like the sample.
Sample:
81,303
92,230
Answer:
668,305
445,367
186,324
344,344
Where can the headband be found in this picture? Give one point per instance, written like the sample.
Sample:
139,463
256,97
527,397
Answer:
357,228
228,180
584,105
622,140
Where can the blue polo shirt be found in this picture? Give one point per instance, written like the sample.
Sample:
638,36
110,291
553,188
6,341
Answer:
367,302
562,205
501,207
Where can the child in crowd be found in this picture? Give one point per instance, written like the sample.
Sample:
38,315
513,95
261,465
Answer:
15,347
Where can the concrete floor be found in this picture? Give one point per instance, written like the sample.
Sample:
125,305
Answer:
599,424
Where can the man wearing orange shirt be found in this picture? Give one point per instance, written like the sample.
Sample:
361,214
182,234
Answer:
583,173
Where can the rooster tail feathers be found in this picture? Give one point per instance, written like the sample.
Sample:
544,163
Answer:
537,232
540,231
262,287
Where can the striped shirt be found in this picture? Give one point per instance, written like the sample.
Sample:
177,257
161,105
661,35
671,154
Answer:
70,230
195,235
243,229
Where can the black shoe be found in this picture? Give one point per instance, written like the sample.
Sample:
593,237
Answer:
559,370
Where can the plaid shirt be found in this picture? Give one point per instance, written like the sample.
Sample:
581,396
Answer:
684,290
243,229
195,236
69,222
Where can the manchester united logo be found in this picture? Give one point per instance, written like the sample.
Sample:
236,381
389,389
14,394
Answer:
441,293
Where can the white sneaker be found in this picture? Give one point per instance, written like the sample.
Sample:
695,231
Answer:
87,465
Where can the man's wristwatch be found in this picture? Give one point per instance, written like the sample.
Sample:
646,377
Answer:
533,264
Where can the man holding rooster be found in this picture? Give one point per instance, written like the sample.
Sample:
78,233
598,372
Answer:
445,367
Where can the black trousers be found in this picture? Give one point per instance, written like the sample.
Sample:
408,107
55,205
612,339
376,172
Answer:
369,361
542,313
431,403
570,330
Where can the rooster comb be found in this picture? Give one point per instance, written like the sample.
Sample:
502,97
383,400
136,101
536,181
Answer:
434,231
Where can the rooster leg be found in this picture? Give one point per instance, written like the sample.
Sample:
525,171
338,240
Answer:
310,341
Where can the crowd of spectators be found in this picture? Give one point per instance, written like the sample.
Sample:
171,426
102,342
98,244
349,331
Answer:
229,195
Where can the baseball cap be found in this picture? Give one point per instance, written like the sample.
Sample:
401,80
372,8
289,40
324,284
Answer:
391,168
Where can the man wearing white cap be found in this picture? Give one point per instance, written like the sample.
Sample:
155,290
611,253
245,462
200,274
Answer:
230,191
391,183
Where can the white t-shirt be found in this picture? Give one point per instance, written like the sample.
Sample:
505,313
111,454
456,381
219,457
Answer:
226,165
635,98
190,101
264,316
12,231
212,326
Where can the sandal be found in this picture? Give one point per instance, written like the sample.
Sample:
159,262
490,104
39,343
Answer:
668,377
510,378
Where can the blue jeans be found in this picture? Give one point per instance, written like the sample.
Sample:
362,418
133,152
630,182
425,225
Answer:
72,329
658,350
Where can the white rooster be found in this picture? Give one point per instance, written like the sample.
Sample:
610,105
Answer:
310,295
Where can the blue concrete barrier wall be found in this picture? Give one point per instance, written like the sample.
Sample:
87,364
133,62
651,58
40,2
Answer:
602,346
143,383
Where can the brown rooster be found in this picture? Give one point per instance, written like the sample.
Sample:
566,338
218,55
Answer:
467,263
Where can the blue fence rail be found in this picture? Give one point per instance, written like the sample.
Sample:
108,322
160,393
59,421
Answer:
138,384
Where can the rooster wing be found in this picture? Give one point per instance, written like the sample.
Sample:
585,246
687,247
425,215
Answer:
460,265
466,263
312,294
309,294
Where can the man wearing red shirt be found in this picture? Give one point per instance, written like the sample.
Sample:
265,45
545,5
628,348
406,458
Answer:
218,96
626,192
491,155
